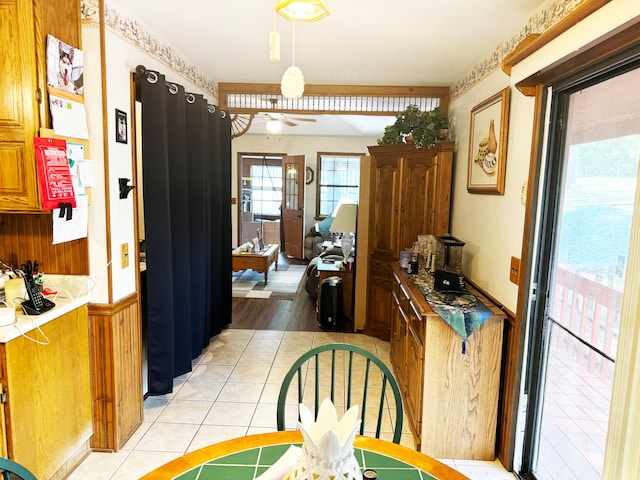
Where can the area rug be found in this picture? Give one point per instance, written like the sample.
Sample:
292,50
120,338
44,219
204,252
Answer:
282,284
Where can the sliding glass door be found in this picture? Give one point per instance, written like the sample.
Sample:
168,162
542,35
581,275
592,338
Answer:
585,225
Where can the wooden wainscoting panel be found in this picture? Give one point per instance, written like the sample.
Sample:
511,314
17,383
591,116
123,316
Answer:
116,351
29,236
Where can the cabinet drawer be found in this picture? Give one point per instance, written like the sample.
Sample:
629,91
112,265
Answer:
416,321
403,298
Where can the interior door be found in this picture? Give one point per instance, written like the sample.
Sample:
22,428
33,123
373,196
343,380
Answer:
293,205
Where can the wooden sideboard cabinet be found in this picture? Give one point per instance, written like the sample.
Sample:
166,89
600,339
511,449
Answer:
450,398
410,195
23,89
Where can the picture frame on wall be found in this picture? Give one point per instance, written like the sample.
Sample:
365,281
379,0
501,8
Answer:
121,126
488,135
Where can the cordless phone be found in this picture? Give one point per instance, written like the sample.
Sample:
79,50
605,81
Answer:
36,304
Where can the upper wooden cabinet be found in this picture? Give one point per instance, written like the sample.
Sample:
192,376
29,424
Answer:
23,98
410,195
18,108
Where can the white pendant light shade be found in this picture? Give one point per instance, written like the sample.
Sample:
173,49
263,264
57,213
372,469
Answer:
292,85
302,10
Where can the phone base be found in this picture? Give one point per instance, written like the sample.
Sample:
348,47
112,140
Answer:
30,309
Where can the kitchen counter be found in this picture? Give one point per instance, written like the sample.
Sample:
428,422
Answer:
45,377
73,292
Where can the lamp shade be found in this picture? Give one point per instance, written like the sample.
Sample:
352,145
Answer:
345,218
302,10
292,85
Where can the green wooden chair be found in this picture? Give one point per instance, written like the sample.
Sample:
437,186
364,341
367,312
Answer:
10,470
363,371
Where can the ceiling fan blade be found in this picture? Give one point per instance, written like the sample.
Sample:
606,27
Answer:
286,121
300,119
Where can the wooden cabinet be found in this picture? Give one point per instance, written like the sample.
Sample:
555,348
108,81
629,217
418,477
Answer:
450,398
410,193
23,98
47,407
18,108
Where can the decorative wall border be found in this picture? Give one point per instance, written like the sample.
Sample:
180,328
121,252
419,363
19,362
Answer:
538,23
135,32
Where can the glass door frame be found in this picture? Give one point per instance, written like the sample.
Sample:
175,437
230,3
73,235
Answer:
551,180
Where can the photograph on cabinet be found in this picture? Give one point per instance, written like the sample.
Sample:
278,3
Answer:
64,66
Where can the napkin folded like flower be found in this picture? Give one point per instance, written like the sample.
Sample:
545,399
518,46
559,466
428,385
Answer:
283,465
326,437
327,451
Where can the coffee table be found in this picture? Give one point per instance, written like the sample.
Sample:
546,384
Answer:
258,262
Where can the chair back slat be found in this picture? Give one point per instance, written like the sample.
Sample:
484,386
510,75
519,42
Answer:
317,391
354,352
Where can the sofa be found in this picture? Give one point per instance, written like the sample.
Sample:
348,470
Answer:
317,234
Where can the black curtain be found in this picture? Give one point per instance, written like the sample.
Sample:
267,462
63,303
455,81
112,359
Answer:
186,164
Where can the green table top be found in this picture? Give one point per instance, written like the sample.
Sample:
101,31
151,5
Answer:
248,457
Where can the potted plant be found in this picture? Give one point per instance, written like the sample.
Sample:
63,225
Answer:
423,129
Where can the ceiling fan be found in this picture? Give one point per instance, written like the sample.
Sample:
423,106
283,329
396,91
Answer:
282,118
274,120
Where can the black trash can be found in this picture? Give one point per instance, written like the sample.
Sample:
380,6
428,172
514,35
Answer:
330,303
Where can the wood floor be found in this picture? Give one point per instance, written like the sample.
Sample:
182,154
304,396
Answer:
298,314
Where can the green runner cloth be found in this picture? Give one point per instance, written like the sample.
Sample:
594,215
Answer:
463,311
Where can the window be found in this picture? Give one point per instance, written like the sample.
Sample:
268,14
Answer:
266,192
338,179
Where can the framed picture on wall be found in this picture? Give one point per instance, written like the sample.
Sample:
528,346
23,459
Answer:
488,144
121,126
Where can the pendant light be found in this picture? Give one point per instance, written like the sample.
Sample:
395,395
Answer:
292,84
302,10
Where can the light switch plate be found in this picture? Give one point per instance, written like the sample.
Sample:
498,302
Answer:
124,255
514,271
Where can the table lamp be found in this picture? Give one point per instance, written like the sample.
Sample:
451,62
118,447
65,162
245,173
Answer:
344,222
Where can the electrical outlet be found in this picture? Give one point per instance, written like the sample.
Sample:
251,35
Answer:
514,272
124,255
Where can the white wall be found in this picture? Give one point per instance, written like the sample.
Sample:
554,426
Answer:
122,57
309,146
492,225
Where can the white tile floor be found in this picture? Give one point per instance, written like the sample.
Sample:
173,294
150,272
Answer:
231,392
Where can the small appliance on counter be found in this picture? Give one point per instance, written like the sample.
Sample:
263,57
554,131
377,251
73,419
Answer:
444,280
448,253
448,264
